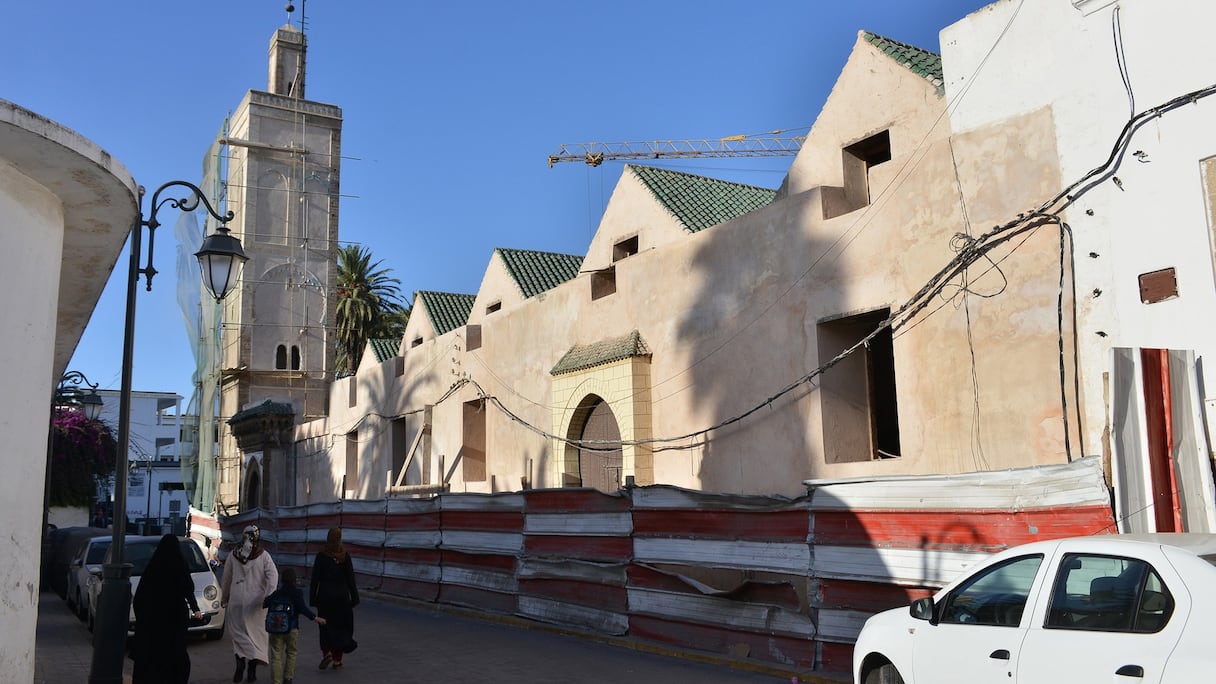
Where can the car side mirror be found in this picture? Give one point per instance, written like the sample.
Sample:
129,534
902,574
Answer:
923,609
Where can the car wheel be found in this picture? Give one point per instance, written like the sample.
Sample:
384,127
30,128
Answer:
214,634
887,674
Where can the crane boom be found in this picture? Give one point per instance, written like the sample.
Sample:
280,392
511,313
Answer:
595,153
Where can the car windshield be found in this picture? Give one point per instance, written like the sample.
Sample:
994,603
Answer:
1210,558
138,553
97,552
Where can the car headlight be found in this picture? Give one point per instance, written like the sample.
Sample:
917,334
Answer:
210,592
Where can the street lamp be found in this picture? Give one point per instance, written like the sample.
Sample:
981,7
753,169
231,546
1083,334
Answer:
220,259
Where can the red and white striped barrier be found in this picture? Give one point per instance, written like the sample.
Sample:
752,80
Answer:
576,551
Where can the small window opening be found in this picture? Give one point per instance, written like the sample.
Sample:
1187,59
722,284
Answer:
417,342
625,248
295,357
472,337
280,357
351,478
859,158
603,283
493,307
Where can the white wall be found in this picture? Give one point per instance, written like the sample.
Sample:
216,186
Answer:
65,210
1053,54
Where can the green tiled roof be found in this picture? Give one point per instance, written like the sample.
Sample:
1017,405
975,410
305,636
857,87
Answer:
267,407
600,353
384,349
536,272
922,62
447,310
699,202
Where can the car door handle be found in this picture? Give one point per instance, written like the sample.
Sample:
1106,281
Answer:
999,654
1130,671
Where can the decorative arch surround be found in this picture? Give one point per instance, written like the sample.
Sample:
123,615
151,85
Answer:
616,372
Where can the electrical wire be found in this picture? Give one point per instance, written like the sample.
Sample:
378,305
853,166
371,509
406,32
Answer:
1116,27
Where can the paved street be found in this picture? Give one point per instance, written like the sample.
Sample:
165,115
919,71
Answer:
410,643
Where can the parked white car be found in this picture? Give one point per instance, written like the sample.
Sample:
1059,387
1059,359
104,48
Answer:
138,551
83,570
1133,608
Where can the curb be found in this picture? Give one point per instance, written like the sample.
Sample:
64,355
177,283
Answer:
792,674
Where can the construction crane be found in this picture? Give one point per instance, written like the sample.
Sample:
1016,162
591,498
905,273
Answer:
595,153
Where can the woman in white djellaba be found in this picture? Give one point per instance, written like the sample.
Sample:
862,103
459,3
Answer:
249,577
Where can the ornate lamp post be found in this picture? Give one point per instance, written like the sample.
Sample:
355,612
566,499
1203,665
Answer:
220,258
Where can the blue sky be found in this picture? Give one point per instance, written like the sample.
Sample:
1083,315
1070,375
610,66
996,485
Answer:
450,110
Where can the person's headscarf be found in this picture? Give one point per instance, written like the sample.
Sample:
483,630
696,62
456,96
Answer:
333,545
166,560
250,546
163,578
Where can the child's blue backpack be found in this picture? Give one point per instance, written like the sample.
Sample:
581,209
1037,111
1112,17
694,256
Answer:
278,615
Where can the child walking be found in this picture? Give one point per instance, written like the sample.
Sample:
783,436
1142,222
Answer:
285,606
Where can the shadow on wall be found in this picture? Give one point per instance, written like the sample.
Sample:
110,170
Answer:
751,332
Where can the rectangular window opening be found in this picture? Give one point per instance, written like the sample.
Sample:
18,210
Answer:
473,447
491,308
352,461
859,399
472,337
400,445
603,283
625,248
417,342
858,159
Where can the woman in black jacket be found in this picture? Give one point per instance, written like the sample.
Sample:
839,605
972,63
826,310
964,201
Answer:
334,595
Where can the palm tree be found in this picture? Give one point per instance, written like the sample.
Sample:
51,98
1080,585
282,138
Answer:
369,305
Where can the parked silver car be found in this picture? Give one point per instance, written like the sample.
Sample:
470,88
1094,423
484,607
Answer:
138,551
83,570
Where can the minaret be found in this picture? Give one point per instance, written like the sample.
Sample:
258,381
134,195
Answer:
283,156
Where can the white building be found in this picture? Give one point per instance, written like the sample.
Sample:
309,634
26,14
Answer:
66,208
156,483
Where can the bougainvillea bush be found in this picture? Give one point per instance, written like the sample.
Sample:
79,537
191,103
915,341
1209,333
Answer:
83,452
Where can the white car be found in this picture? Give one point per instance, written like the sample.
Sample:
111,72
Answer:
1133,608
138,551
83,570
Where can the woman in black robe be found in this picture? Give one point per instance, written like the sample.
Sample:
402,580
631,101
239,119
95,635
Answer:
333,593
161,619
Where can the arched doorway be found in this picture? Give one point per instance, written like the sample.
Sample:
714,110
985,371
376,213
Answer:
253,488
599,465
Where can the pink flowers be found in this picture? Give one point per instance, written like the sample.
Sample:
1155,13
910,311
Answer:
82,452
